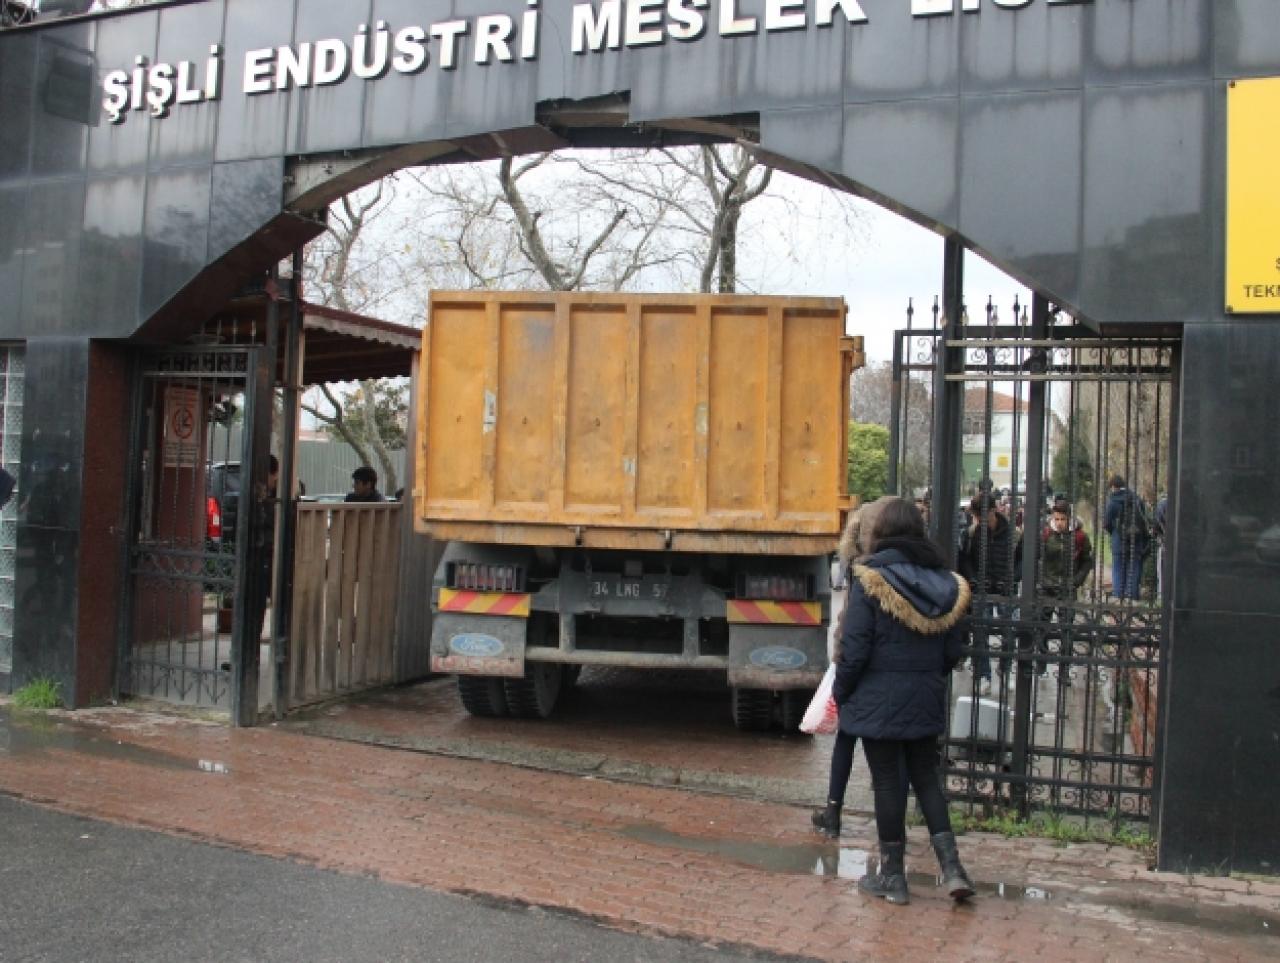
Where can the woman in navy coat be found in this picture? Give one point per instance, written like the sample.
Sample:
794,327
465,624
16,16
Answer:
903,632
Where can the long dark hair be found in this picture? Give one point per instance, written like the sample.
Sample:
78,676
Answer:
898,518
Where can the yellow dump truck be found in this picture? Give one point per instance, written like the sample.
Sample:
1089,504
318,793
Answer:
633,480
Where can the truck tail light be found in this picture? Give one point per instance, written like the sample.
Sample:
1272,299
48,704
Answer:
778,588
212,518
483,577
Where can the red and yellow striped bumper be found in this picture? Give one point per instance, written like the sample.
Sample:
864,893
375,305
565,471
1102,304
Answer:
514,604
773,613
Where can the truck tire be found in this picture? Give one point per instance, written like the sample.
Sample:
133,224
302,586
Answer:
482,695
752,709
535,695
794,704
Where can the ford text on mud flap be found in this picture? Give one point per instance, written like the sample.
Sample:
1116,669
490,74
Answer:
477,644
777,658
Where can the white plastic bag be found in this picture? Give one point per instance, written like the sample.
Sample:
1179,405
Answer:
822,718
838,597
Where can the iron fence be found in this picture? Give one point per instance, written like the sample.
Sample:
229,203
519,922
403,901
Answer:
188,529
1055,706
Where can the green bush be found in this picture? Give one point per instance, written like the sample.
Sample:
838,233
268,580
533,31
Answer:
42,693
868,461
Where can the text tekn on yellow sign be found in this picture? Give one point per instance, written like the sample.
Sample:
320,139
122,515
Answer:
1253,196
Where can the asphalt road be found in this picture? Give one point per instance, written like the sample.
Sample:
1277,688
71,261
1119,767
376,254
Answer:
76,889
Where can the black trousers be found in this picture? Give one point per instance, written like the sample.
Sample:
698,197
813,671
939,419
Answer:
841,766
887,758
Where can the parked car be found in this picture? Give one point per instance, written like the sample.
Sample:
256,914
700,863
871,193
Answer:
222,500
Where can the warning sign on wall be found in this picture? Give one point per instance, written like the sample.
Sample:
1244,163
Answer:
1253,197
181,427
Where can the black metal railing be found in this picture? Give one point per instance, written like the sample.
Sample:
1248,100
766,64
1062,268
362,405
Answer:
1054,708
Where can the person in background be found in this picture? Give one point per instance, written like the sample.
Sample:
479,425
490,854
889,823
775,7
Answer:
265,499
1159,529
902,634
990,559
1066,561
364,486
854,544
1126,522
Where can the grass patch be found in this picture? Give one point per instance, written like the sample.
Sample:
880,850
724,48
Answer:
1057,827
42,693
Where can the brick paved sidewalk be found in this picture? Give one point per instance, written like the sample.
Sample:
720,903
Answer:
709,867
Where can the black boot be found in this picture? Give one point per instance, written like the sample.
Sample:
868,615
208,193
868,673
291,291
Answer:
954,879
890,881
827,821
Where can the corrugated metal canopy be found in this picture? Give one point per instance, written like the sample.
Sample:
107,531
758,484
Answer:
337,345
340,346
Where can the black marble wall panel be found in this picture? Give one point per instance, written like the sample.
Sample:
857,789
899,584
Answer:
1218,811
17,106
764,74
401,106
176,232
55,219
13,255
1147,219
120,41
252,126
905,152
327,118
66,102
1140,43
895,55
1229,471
1022,195
246,194
1246,36
1035,47
47,577
562,72
111,253
189,134
1222,698
492,95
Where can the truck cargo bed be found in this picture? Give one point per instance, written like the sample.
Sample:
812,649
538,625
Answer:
678,422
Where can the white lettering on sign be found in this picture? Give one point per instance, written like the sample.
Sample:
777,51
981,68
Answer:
378,49
153,89
939,8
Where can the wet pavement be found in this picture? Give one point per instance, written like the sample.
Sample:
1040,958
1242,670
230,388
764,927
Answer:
657,728
714,867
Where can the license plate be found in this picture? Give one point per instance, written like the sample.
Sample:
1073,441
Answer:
625,589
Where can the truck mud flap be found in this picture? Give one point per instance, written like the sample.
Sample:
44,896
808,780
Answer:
478,644
777,656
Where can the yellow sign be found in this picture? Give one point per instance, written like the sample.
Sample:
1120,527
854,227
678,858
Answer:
1253,196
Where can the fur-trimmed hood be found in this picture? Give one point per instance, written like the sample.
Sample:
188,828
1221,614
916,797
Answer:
926,600
856,538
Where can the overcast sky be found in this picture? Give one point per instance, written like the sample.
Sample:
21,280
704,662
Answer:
887,261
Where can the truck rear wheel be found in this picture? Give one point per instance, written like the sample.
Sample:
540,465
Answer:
794,704
482,695
535,695
752,709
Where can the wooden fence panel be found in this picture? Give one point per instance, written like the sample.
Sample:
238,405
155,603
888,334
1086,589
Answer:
345,593
385,600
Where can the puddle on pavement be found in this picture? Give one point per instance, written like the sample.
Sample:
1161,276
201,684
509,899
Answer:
809,859
22,735
1228,920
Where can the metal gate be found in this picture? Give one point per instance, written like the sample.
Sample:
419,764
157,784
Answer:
1055,707
193,611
